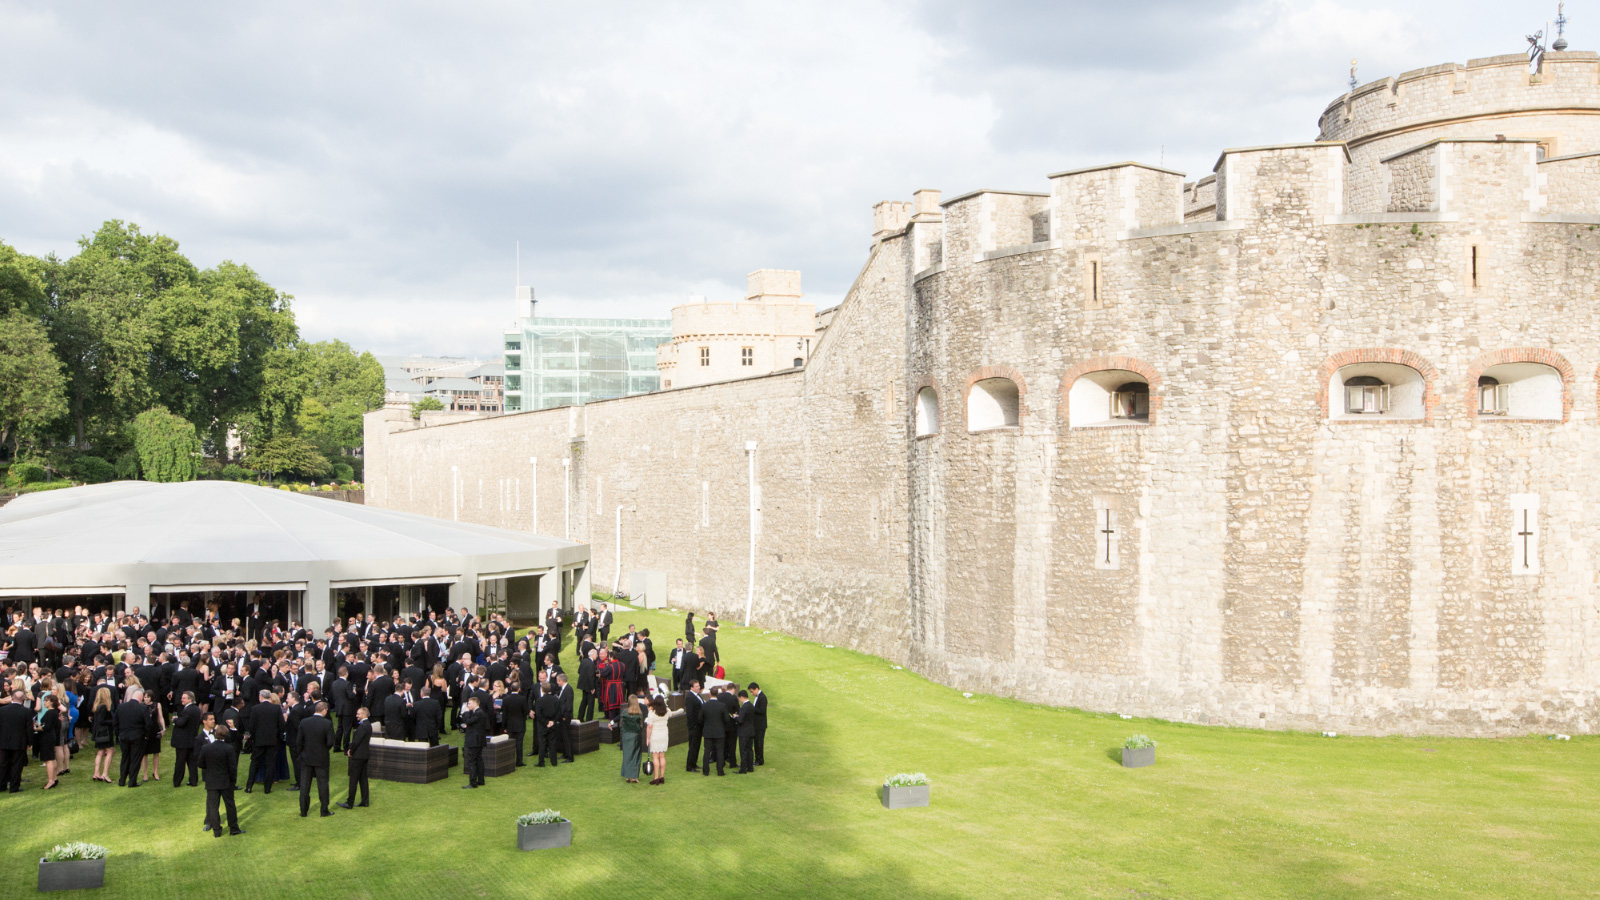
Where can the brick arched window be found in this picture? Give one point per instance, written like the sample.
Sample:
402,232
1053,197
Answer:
1110,391
1377,385
1520,383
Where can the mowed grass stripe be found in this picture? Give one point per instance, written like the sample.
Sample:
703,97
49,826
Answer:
1028,802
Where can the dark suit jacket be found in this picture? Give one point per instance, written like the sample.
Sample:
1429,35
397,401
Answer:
16,726
220,763
344,697
714,723
515,709
361,740
265,721
132,718
314,741
185,727
548,708
429,718
760,702
730,702
694,710
747,720
710,643
476,724
586,679
394,718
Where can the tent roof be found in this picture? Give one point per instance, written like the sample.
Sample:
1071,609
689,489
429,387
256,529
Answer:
221,532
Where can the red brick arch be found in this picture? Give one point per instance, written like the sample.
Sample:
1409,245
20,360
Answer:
1430,377
1515,355
987,372
1101,364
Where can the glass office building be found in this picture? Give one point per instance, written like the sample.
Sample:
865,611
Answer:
568,362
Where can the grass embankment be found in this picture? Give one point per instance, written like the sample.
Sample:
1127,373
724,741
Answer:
1028,802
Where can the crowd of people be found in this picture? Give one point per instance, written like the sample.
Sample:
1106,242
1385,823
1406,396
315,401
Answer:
289,700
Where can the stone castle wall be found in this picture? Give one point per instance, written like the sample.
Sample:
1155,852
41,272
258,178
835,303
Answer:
1247,555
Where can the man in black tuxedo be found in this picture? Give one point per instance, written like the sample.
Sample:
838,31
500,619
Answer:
747,734
680,655
132,718
429,716
514,707
394,718
604,621
730,702
16,733
695,716
299,711
343,697
758,701
475,722
564,694
220,763
312,743
588,684
359,752
185,730
714,727
546,720
262,724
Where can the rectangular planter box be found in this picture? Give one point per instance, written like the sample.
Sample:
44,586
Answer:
544,837
608,733
1143,756
903,797
72,875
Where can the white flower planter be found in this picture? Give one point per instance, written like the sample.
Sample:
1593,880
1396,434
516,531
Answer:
546,836
903,797
72,874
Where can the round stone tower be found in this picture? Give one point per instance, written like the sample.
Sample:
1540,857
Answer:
1495,96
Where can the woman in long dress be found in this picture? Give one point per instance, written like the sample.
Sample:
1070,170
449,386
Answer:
632,732
657,738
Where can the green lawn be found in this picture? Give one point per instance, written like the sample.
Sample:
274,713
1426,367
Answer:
1028,802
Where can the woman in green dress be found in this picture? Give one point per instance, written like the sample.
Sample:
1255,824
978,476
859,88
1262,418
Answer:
632,741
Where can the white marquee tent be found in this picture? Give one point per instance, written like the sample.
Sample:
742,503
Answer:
139,541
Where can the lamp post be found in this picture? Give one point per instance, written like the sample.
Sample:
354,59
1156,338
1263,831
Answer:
617,585
750,596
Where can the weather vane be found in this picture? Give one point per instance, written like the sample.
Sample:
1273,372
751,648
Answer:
1536,52
1561,27
1352,74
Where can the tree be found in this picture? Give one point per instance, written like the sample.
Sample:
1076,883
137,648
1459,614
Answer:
426,404
22,282
32,387
288,454
168,446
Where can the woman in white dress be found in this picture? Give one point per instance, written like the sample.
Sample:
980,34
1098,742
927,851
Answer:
657,738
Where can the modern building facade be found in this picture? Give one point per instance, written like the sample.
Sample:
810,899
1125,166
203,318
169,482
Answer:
570,361
771,330
461,385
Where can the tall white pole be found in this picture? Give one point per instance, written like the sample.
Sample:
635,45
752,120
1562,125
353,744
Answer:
617,585
566,497
533,463
750,597
455,494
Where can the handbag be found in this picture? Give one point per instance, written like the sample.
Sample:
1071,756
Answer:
648,767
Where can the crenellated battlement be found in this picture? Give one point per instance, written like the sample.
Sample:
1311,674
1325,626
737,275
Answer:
1494,86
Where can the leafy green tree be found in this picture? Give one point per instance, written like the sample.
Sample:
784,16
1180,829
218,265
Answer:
32,387
167,444
23,281
288,454
426,404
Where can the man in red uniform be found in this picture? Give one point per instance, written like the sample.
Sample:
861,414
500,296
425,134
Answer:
612,692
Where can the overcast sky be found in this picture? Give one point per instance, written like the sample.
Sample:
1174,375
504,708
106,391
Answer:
379,161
